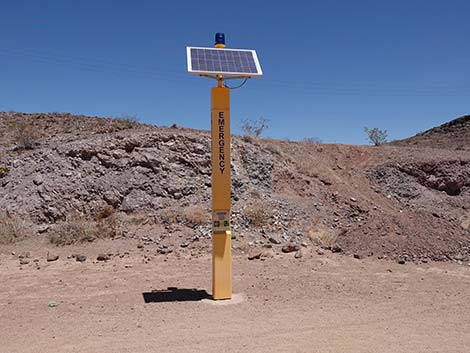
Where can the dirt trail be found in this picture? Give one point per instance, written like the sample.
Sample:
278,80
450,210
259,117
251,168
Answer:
315,304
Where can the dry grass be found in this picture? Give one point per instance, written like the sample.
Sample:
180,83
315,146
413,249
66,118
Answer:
192,215
78,229
127,121
170,215
307,167
322,236
258,213
4,171
12,229
25,135
196,215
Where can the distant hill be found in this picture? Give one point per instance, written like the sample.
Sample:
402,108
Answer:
452,135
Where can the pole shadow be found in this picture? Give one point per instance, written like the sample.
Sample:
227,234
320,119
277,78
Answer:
174,294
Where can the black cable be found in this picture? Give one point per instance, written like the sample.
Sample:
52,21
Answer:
240,85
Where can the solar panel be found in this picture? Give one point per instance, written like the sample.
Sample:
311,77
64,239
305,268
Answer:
231,62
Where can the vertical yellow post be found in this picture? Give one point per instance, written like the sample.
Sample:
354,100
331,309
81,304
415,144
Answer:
221,190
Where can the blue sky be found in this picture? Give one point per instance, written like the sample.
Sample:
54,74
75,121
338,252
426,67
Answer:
330,67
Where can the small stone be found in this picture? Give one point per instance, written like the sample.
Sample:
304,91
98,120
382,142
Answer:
459,257
274,240
52,257
304,244
80,258
358,256
184,245
335,248
320,252
52,304
254,255
24,261
140,246
353,199
102,257
290,248
38,180
43,229
24,255
298,254
401,261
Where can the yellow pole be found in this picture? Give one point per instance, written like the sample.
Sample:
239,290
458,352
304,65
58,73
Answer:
221,190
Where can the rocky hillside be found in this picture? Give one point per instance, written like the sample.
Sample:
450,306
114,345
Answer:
452,135
67,179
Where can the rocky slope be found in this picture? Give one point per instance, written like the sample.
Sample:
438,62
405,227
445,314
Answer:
454,134
67,178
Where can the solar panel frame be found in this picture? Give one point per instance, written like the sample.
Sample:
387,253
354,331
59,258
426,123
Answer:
253,54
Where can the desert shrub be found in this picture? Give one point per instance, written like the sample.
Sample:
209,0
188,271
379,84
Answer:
4,171
307,167
170,215
376,136
312,140
273,149
25,135
11,229
254,127
196,215
258,213
78,228
127,121
322,236
248,138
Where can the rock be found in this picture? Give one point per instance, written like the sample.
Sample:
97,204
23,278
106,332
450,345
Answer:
24,255
52,257
80,258
52,304
140,246
401,261
38,180
164,251
102,257
320,252
43,229
298,254
353,199
459,257
335,248
184,245
358,256
254,255
274,240
304,244
290,248
24,261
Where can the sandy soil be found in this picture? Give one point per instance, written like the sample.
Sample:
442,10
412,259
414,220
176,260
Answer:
319,303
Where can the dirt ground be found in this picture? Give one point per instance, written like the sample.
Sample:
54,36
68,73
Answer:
318,303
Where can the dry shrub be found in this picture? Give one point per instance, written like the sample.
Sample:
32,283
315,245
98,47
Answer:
25,135
322,236
258,213
248,138
4,171
307,167
170,215
242,244
196,215
12,229
78,229
127,121
273,149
